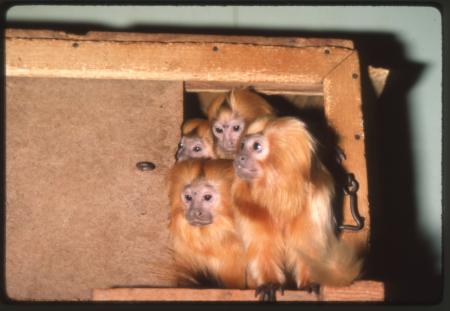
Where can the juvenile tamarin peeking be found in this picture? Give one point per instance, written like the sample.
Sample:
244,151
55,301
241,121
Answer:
206,243
229,114
283,197
196,140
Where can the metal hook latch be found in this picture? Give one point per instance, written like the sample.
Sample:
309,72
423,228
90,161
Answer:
350,189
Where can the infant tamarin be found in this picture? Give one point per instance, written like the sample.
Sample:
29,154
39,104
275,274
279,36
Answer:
283,195
206,244
229,114
196,140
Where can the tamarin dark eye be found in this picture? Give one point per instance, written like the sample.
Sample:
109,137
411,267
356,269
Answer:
207,197
236,128
188,197
197,149
218,130
257,147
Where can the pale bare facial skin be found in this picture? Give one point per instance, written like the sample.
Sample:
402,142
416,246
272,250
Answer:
228,132
192,147
200,200
253,149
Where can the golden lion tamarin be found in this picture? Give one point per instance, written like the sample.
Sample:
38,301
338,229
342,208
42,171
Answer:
196,140
283,195
206,243
228,116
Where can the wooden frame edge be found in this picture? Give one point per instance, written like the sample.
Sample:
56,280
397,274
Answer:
361,291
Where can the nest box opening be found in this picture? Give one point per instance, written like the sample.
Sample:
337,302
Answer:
307,106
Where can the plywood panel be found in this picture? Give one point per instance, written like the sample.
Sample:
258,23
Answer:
79,215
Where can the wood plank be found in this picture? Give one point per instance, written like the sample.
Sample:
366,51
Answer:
187,61
180,37
359,291
343,108
261,87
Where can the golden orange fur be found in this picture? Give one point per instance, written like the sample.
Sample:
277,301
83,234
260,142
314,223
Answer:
198,128
285,213
238,103
194,126
246,103
214,250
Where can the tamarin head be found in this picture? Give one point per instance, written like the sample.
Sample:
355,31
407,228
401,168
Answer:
272,145
230,113
199,199
199,189
196,140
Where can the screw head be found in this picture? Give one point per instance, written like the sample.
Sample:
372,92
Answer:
145,166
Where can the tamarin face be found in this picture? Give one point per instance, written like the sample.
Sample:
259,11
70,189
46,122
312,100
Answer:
192,147
227,131
253,150
200,200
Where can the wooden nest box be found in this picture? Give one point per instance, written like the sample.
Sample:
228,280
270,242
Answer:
82,110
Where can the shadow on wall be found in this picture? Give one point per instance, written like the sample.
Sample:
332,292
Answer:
400,254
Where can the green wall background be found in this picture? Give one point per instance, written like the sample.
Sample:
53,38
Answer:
417,29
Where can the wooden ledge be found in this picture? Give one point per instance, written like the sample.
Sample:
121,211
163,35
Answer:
361,291
296,62
119,36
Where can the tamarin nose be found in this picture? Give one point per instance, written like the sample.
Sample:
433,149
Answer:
198,213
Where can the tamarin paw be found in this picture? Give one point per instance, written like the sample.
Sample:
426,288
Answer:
267,292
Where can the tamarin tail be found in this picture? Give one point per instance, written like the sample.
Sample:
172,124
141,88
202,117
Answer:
340,265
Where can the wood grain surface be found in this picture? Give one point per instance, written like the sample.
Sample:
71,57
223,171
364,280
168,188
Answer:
361,291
